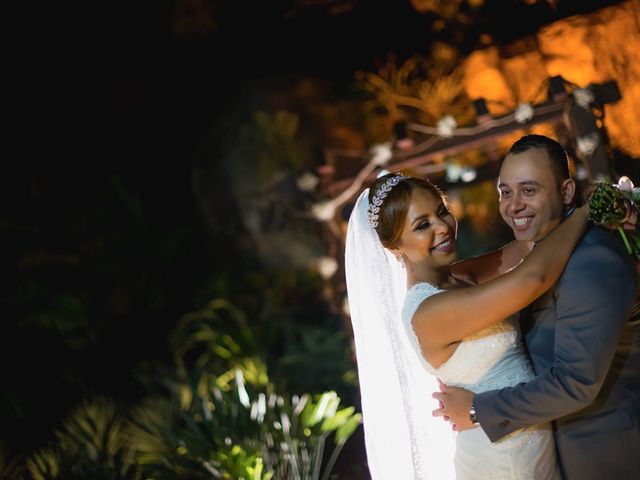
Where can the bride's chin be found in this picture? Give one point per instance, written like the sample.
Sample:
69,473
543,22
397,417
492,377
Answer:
450,257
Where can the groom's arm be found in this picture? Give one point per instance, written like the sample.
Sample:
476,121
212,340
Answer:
596,293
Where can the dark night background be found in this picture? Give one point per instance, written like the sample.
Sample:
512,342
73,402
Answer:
104,241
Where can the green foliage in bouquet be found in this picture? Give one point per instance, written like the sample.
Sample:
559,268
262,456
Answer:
614,205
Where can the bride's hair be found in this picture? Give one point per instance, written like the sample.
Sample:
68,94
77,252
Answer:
393,211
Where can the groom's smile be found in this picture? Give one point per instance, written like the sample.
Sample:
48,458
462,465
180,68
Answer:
521,224
521,221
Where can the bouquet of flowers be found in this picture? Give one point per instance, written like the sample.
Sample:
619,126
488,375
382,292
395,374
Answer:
616,205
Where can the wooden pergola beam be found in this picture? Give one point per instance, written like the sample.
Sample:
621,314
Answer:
492,129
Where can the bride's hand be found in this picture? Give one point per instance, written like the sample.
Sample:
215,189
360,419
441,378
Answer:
630,221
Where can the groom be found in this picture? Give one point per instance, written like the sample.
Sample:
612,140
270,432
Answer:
584,347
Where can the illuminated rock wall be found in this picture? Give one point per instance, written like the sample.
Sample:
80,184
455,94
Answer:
593,48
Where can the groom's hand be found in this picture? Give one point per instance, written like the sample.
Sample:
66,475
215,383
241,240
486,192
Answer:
455,404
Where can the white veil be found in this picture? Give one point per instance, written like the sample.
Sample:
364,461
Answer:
403,439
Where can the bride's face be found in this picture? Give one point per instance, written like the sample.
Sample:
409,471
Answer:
429,232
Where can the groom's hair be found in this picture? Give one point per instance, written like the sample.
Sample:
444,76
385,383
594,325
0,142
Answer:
558,159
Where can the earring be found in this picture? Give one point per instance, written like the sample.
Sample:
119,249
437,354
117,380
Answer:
401,260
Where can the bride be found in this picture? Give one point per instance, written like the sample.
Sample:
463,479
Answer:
417,321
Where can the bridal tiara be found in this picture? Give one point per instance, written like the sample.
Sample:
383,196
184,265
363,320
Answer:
379,196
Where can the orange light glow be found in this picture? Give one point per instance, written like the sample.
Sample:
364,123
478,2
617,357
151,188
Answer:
593,48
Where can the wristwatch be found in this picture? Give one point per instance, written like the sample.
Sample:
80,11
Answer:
472,415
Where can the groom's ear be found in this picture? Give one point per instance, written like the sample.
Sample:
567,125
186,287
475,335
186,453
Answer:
568,191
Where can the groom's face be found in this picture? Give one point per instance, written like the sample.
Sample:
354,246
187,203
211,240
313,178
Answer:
532,199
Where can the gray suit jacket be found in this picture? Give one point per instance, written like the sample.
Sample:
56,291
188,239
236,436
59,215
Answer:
585,350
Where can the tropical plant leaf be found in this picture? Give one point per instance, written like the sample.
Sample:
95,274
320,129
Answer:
91,444
11,467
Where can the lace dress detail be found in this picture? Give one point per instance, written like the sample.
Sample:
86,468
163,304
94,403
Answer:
493,358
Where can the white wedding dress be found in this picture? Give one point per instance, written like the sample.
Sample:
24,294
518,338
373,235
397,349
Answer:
491,359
